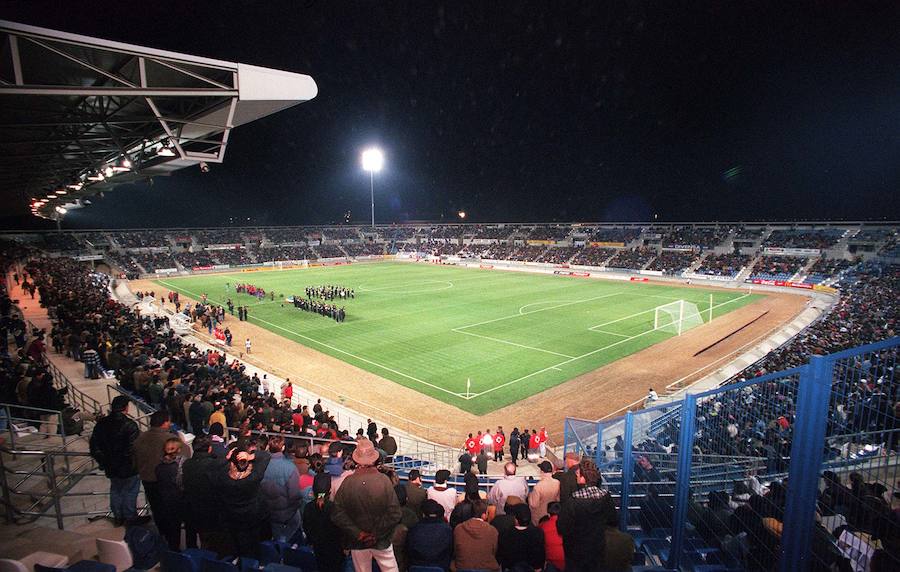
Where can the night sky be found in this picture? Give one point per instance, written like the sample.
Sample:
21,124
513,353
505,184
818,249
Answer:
515,111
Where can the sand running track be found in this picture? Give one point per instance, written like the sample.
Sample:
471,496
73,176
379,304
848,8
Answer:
592,395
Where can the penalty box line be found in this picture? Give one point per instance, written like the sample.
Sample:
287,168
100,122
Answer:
590,353
636,314
354,356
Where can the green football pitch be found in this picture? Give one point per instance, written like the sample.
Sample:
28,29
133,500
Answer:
476,339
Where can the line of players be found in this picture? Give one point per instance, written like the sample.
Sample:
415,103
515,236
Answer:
330,310
329,292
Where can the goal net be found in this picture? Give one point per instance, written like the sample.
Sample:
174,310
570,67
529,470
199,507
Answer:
677,317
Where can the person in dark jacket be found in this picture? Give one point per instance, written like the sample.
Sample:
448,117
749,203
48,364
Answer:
200,502
321,532
583,520
169,485
237,489
521,544
415,494
281,492
514,443
112,446
430,541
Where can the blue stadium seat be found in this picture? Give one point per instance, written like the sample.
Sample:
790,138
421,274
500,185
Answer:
178,562
219,566
425,569
302,557
270,552
249,564
275,567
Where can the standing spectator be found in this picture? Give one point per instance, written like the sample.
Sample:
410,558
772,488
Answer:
148,451
237,489
509,485
112,446
482,461
41,393
169,479
553,543
441,492
415,494
521,544
430,541
465,462
281,492
544,492
367,511
582,521
475,542
320,530
387,444
568,479
372,431
247,346
200,502
514,443
91,362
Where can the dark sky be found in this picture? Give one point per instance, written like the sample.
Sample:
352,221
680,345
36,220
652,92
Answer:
517,111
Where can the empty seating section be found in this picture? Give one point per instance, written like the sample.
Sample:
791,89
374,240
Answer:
797,238
825,269
777,267
723,264
673,261
701,237
633,259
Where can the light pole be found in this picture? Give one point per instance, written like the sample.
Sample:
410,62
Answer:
372,161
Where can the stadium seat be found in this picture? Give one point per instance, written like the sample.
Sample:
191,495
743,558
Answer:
275,567
178,562
301,557
425,569
219,566
115,552
270,552
198,555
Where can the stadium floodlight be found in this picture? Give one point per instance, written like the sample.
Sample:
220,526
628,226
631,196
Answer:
166,150
126,163
461,214
109,171
61,192
76,186
372,161
61,210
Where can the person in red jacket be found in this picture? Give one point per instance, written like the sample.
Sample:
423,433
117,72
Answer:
553,544
472,445
534,443
499,442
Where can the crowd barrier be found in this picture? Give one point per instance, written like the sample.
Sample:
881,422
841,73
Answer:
813,426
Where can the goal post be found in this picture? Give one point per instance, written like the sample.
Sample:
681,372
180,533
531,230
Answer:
677,317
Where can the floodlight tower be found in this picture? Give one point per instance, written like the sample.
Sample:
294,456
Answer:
372,161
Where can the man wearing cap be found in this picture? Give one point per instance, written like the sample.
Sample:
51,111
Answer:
367,511
544,492
112,446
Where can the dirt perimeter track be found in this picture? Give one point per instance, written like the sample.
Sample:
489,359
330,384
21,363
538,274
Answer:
593,395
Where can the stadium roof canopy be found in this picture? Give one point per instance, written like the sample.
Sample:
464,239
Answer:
80,115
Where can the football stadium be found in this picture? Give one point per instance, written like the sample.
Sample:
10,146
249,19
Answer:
347,359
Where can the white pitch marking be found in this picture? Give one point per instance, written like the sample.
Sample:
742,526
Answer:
535,311
593,328
511,343
376,364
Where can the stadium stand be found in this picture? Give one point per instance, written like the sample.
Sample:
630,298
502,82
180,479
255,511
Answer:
489,232
724,264
634,259
624,235
826,268
549,233
700,237
823,238
558,255
748,234
194,259
367,249
441,232
777,267
673,261
218,236
340,233
593,256
233,256
284,235
153,261
286,253
140,239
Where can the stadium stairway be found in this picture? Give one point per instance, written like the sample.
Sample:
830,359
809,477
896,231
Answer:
747,271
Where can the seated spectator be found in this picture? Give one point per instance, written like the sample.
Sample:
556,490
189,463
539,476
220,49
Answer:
430,541
522,544
475,542
443,493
